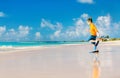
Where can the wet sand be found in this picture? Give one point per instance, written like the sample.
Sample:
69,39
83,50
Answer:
67,61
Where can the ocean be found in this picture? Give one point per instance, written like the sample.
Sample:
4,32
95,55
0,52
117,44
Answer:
42,43
16,46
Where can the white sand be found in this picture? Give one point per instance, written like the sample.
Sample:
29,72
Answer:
68,61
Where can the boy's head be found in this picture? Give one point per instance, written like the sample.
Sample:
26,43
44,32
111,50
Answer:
89,20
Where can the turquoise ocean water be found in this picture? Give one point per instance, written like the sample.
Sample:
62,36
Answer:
44,43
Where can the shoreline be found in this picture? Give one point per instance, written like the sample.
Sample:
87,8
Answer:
35,48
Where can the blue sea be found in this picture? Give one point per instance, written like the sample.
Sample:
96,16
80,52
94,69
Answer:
42,43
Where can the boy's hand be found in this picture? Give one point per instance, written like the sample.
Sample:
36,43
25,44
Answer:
98,34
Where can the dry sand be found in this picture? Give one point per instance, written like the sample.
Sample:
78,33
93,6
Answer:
65,61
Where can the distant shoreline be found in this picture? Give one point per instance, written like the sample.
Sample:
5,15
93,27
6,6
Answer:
37,48
45,44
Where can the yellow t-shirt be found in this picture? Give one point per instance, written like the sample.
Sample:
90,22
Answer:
93,29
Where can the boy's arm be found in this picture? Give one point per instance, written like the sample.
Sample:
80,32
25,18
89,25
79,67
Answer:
98,34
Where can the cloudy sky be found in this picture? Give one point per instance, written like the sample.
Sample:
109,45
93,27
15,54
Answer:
31,20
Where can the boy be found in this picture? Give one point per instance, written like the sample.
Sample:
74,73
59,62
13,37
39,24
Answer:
93,32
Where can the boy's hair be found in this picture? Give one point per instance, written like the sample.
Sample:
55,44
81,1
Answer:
90,19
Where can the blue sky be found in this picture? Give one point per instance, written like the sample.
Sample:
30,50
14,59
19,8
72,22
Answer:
31,20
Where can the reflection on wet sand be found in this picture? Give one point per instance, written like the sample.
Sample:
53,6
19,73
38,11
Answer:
96,66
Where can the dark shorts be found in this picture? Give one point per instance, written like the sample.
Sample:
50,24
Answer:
92,38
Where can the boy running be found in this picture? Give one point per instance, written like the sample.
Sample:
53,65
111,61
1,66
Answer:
93,32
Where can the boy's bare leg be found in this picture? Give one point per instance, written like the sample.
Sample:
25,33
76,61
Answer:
95,43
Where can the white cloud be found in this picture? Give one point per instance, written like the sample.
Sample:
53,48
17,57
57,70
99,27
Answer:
104,21
85,16
115,29
79,22
2,30
107,27
46,23
78,30
19,34
2,14
24,30
104,24
86,1
116,26
37,35
73,32
57,33
12,32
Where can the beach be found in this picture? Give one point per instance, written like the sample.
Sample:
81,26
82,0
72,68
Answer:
63,61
